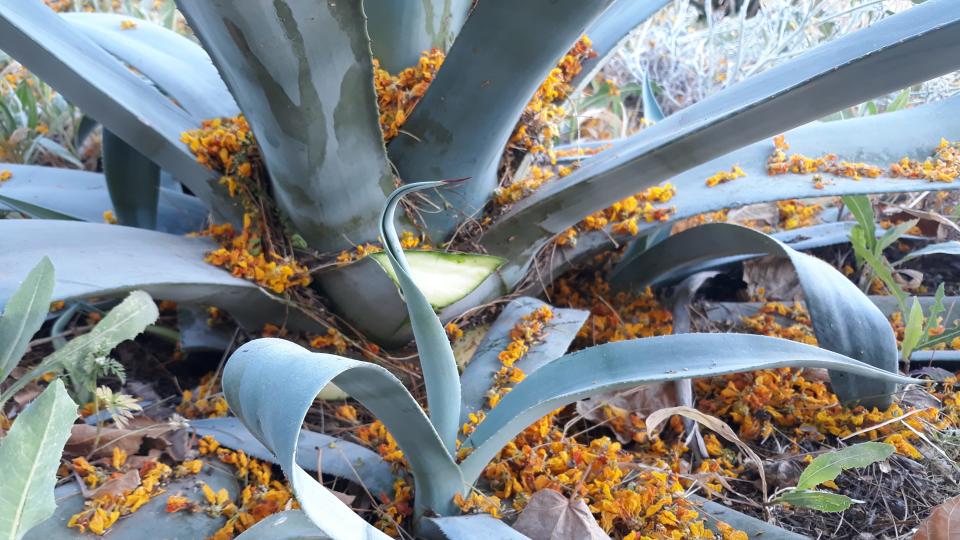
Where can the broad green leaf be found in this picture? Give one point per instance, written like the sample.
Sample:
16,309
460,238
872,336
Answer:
105,89
55,193
289,525
265,369
900,102
913,330
177,65
893,234
29,458
400,31
844,319
862,210
826,467
440,374
816,83
302,75
823,501
444,277
334,456
477,378
110,260
879,265
461,126
24,314
626,364
133,181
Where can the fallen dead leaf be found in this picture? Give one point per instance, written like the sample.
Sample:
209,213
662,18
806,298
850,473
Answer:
641,401
127,481
775,275
83,437
943,523
714,424
551,516
755,214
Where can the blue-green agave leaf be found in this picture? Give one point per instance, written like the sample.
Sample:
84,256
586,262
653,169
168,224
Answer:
611,28
56,193
941,248
558,334
24,314
264,369
461,126
844,319
302,74
29,457
400,31
440,375
105,89
922,42
651,109
626,364
177,65
152,516
468,527
133,182
714,512
336,457
96,260
289,525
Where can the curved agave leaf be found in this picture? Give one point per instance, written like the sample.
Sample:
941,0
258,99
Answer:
302,72
289,525
92,79
24,315
714,512
651,109
922,42
133,181
178,66
336,457
462,124
612,28
56,193
941,248
468,527
109,260
558,334
400,31
625,364
844,319
29,456
266,368
440,375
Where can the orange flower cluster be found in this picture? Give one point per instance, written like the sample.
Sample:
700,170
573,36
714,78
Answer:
334,339
260,497
765,322
536,176
540,121
227,146
613,317
359,252
645,505
723,177
527,332
795,213
204,401
624,216
779,163
393,510
397,95
5,175
244,255
102,512
943,167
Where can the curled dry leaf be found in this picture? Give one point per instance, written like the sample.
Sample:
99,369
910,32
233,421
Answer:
775,275
943,523
551,516
83,436
714,424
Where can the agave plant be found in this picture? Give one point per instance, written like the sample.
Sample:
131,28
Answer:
260,371
301,73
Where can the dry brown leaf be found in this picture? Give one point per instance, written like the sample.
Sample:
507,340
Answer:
943,523
775,275
551,516
127,481
641,401
83,436
714,424
755,214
